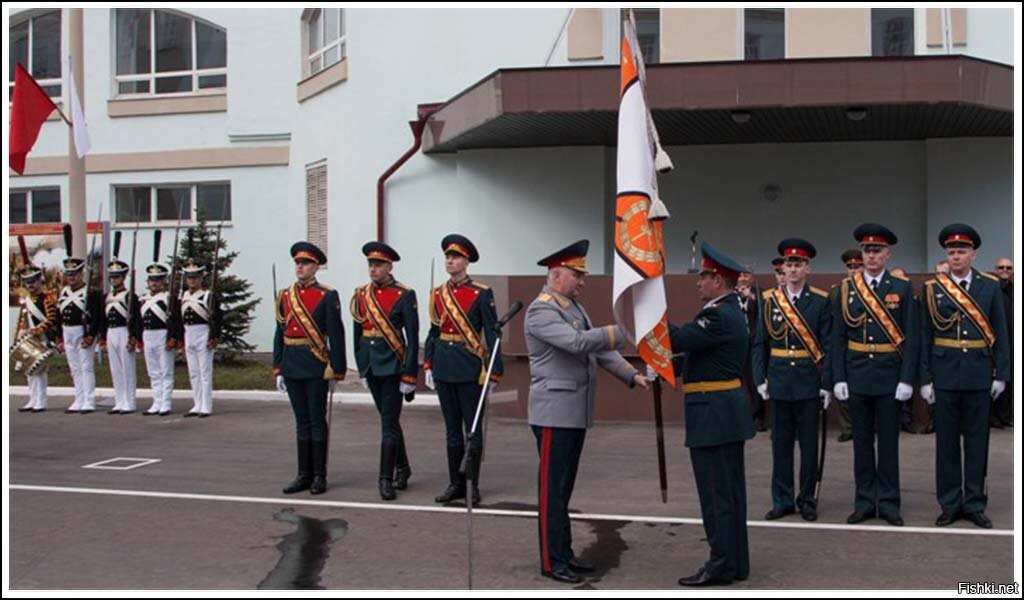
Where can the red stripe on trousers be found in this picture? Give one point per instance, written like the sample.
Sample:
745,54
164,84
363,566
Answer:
545,455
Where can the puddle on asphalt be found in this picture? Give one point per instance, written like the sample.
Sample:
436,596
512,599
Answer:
303,552
605,552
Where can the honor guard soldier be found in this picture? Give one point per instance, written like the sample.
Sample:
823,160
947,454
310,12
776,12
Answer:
790,362
462,317
309,356
853,261
159,333
37,318
565,352
120,332
875,337
80,311
718,424
964,368
386,332
200,320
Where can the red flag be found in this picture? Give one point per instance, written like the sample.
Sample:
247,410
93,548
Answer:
29,109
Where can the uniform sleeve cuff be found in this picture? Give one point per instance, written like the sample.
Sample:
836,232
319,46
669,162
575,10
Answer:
409,378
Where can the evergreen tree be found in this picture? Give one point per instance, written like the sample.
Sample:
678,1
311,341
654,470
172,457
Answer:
233,294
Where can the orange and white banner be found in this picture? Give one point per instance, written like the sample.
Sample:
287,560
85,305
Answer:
639,240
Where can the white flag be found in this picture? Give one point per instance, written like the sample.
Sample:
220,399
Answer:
78,125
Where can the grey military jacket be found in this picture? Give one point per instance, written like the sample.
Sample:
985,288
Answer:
564,355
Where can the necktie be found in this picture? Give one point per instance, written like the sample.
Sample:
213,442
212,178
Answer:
874,284
963,284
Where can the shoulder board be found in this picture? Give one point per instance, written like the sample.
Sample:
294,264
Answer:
899,277
400,285
325,287
767,293
545,297
931,282
477,284
988,276
819,292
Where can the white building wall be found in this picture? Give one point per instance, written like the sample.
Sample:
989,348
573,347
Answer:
989,34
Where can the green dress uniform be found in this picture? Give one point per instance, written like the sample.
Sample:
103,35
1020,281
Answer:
386,329
875,339
309,352
964,349
718,423
462,319
790,355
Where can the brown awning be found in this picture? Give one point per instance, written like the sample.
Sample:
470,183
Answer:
806,100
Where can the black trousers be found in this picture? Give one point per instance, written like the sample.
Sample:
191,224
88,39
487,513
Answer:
794,421
722,487
961,414
559,449
877,480
309,403
458,405
389,404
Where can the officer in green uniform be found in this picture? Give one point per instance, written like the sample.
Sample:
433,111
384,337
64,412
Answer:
790,364
463,319
714,348
386,330
875,337
309,356
853,261
964,368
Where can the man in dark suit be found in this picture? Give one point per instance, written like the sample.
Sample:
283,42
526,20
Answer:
875,335
714,348
964,368
748,296
1002,409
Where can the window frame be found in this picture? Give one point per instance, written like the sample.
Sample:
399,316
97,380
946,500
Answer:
43,83
743,36
30,206
153,74
193,187
319,54
911,35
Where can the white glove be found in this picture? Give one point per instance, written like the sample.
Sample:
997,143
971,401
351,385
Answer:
406,388
366,386
826,398
841,391
280,385
763,390
904,391
928,393
651,373
998,387
428,377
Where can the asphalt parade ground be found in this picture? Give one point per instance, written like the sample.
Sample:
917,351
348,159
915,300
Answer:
196,504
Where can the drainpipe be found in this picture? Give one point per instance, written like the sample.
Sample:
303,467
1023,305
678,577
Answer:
424,111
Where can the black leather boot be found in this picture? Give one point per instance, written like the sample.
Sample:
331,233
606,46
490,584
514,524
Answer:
319,484
457,484
402,469
305,476
388,451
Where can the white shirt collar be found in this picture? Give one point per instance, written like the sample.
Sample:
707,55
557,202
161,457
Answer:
869,279
958,280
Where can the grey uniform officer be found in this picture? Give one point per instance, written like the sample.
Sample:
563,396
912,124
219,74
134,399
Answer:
565,351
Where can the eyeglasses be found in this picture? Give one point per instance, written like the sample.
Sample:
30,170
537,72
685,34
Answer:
1004,268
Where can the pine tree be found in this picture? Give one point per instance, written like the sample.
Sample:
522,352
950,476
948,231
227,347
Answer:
234,295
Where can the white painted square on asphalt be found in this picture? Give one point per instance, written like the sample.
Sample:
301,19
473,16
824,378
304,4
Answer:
122,463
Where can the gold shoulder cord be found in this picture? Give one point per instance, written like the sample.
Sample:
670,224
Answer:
278,314
432,308
844,301
353,307
938,321
776,334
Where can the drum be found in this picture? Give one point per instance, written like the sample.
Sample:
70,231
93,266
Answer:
29,354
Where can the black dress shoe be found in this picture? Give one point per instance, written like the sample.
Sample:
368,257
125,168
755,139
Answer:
979,519
845,437
454,491
894,520
319,485
204,415
778,513
702,579
563,575
299,484
809,513
25,409
127,412
190,414
583,566
906,428
402,475
945,519
164,413
38,410
859,517
86,411
386,489
72,412
114,411
996,422
148,414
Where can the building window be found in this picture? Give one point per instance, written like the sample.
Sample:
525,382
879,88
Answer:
764,36
34,206
648,32
35,43
892,31
325,29
166,204
161,52
316,204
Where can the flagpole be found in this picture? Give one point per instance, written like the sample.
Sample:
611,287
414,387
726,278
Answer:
76,165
